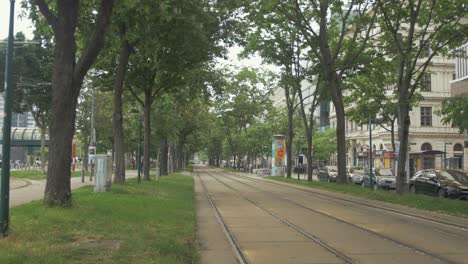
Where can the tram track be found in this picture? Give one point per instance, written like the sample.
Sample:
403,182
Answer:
371,206
382,236
334,251
227,232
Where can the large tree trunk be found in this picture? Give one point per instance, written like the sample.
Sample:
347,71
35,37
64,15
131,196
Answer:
147,123
63,105
67,78
341,141
117,121
403,133
334,81
43,156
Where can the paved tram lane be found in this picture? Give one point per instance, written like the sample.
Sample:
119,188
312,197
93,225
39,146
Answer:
273,223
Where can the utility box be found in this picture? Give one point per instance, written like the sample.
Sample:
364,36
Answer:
103,179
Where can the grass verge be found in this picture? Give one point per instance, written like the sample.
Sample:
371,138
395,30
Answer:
37,174
150,222
445,206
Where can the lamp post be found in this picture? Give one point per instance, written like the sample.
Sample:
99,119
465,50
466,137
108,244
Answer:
5,181
139,143
370,154
445,153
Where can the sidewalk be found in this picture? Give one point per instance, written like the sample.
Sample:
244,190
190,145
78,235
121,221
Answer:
34,190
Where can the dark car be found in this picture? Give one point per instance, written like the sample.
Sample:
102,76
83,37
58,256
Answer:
328,174
382,179
441,183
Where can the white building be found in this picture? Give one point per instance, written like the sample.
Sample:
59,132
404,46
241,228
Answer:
459,86
426,131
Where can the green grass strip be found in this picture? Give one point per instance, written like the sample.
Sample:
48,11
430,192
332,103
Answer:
440,205
151,222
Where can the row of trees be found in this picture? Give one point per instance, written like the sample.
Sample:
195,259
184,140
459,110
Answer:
159,57
156,57
357,48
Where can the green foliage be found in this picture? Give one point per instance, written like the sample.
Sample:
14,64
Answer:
153,221
455,112
32,70
324,144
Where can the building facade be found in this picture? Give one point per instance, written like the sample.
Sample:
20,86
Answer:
432,144
459,86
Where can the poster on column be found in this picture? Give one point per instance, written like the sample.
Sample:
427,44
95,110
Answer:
278,155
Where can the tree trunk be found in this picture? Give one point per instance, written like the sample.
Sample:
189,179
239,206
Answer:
392,135
341,142
117,121
174,158
403,133
67,79
63,105
147,123
43,156
164,152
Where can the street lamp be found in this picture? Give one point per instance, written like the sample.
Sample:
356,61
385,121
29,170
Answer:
135,111
5,181
370,154
445,153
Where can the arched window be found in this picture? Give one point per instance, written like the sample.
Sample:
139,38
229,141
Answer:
458,147
381,147
426,146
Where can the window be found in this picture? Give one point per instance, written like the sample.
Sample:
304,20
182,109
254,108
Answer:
426,83
454,76
426,147
426,116
458,147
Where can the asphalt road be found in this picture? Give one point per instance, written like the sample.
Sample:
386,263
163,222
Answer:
247,220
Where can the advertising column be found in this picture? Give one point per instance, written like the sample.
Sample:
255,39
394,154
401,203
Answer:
278,155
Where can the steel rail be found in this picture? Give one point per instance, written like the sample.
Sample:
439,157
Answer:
229,235
317,240
400,243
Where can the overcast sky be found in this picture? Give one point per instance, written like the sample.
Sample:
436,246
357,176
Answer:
20,24
26,27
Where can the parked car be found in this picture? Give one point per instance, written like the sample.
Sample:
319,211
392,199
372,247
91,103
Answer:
332,173
382,179
328,174
441,183
356,175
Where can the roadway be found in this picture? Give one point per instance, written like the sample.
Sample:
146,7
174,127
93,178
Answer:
244,219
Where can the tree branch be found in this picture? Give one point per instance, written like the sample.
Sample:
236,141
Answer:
47,13
97,41
136,96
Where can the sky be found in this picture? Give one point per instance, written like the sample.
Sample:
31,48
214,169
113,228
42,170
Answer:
26,27
20,24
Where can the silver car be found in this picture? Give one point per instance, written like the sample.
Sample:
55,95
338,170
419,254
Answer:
383,179
357,175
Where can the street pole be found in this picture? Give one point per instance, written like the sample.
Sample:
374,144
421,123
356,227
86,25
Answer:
297,164
93,138
370,154
5,181
445,155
